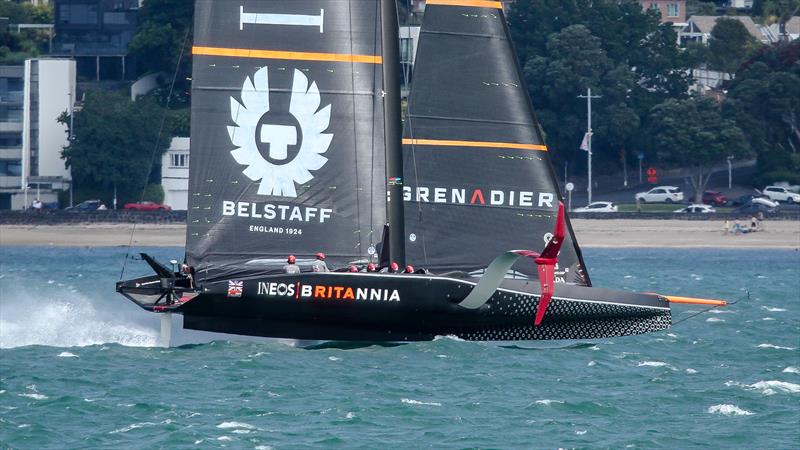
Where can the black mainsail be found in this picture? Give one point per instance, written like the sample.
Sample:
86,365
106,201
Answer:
478,176
287,131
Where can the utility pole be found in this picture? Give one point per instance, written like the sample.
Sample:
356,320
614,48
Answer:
730,178
589,98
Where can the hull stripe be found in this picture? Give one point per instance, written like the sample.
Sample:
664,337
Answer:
475,3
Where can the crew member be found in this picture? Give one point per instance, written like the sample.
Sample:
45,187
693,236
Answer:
319,265
394,267
371,267
186,271
409,269
291,268
352,268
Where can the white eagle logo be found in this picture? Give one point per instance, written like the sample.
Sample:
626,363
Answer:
279,179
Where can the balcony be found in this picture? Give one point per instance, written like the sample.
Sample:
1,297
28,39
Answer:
11,98
10,127
11,152
9,181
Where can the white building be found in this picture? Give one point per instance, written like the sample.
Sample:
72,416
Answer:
175,174
31,138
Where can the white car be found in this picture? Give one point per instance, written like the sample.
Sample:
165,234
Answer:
702,209
661,194
781,194
597,207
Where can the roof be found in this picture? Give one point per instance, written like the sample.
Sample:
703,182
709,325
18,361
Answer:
705,24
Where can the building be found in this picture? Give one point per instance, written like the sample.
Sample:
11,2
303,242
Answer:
32,97
698,29
673,11
409,37
96,33
175,174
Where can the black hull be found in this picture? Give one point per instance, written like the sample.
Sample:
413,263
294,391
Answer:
387,307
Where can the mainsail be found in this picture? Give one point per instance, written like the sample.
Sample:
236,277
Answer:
478,179
287,131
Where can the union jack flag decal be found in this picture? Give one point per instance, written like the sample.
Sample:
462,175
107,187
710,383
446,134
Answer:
235,288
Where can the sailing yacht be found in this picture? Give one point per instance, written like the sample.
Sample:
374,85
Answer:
298,147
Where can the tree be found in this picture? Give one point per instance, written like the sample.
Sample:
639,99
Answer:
780,11
730,44
114,143
693,134
764,99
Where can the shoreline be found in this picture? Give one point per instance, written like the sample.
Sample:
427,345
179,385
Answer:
590,233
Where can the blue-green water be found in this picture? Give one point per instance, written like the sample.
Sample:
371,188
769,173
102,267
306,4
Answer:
79,368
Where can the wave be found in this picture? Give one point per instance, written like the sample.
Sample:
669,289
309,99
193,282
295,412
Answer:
409,401
777,347
728,410
791,369
656,364
772,387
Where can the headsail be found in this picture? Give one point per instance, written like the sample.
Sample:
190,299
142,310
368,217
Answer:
287,131
478,176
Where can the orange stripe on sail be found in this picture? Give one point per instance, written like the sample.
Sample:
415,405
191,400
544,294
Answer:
694,301
484,144
279,54
476,3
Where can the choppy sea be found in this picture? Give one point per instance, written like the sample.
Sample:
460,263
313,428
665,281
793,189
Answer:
80,368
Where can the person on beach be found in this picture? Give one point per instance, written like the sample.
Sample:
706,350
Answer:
291,267
319,265
753,224
638,205
37,205
727,227
737,227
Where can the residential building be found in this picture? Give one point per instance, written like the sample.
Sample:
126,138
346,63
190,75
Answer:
673,11
96,33
32,97
792,30
175,174
409,37
698,29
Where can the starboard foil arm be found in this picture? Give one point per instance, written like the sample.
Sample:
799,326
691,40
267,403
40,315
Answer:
545,262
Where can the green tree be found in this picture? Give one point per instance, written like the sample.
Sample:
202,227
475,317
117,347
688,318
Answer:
730,44
693,134
114,143
780,12
764,99
163,44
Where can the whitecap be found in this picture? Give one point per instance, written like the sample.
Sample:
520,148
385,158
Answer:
591,363
789,369
450,337
241,431
35,396
334,358
417,402
580,432
655,364
773,309
728,410
263,447
772,387
234,425
67,355
24,425
690,370
2,391
441,356
672,335
51,281
132,426
767,318
349,415
628,276
714,319
777,347
548,402
224,438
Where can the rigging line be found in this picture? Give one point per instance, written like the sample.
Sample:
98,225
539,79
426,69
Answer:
355,126
372,138
746,296
155,144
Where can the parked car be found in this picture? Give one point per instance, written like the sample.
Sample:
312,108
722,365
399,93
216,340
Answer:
748,199
147,206
597,207
781,194
701,209
754,208
715,198
88,205
661,194
791,187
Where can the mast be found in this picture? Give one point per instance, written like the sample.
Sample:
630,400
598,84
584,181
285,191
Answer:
393,130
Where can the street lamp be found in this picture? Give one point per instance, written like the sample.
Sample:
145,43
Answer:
730,179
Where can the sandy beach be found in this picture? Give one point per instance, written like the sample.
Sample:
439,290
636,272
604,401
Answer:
590,233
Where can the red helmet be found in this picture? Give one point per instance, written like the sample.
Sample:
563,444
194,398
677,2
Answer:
321,256
394,267
371,267
291,259
352,269
409,269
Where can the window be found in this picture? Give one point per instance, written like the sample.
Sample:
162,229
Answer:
673,9
11,168
179,160
654,6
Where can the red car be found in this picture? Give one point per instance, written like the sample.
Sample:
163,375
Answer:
147,206
714,198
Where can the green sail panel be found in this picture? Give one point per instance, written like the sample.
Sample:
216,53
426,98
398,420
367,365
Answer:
287,153
478,178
